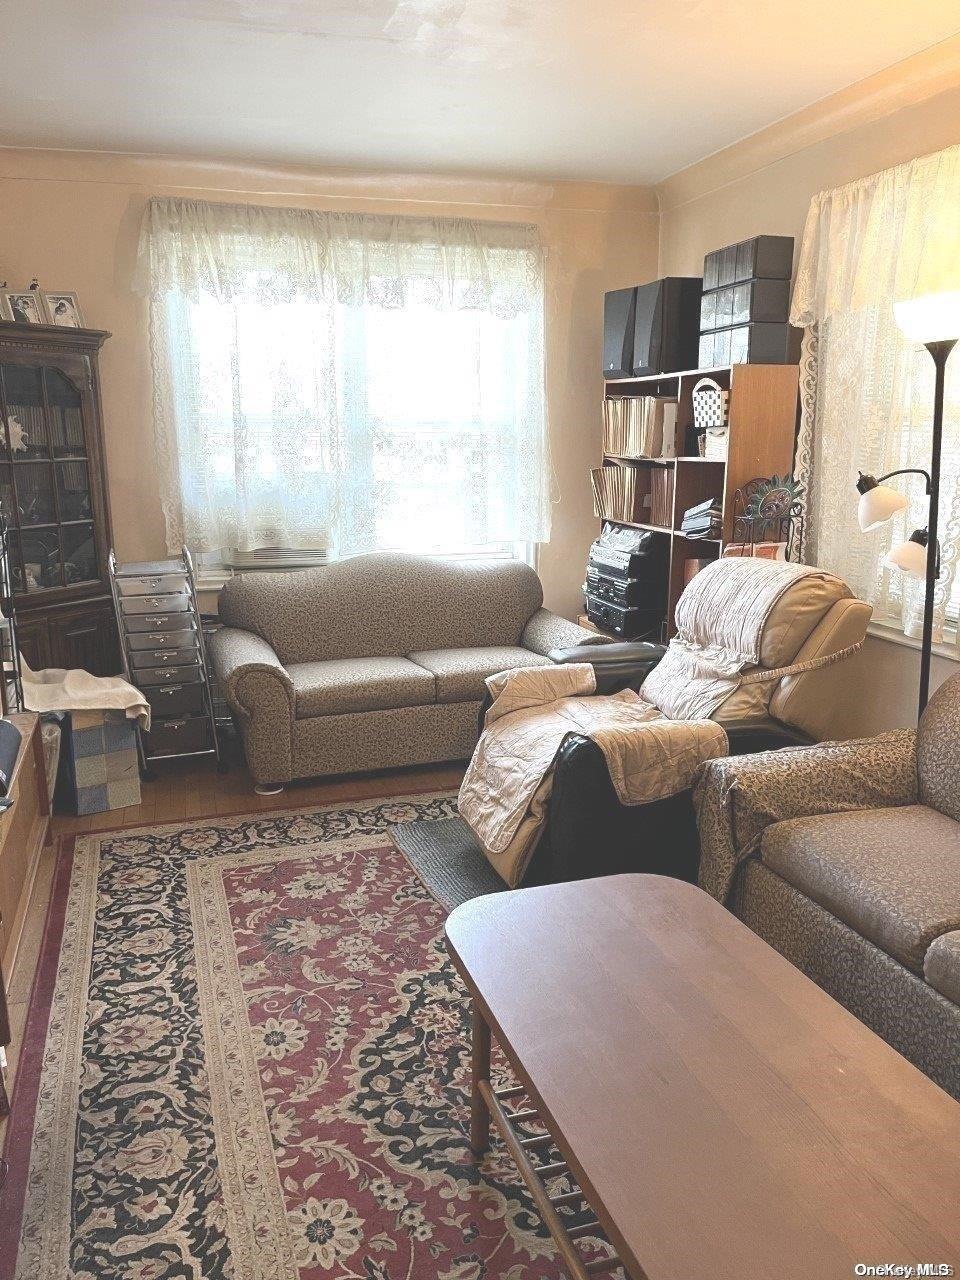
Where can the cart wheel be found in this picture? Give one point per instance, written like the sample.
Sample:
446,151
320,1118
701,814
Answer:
223,766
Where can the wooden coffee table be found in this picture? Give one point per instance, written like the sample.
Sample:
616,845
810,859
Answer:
723,1117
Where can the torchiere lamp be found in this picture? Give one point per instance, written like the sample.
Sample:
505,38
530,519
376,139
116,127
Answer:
934,320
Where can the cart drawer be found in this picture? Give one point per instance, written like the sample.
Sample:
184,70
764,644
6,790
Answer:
165,657
177,737
155,603
157,621
146,677
161,584
161,639
175,699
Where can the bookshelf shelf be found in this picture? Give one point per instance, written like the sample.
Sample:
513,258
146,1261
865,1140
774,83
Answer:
763,411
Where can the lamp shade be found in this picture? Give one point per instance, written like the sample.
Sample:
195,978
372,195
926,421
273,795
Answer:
910,556
932,317
877,505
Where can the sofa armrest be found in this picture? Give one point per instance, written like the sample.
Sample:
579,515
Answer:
261,695
239,655
738,797
546,631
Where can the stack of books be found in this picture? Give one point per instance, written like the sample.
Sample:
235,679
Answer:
639,427
705,520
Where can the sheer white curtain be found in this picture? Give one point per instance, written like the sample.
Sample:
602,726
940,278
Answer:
345,382
867,394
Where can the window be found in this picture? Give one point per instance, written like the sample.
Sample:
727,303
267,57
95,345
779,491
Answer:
377,383
867,392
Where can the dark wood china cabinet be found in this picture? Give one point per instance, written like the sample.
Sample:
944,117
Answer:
53,493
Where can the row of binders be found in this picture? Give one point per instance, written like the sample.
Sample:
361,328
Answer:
639,427
617,495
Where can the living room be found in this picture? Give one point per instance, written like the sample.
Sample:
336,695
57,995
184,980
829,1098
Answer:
372,784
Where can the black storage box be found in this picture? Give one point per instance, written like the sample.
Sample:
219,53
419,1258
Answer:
763,257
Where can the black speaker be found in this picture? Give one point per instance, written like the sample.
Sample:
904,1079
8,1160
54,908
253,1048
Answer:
619,310
666,326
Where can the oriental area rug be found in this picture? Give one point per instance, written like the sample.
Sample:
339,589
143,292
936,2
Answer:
247,1058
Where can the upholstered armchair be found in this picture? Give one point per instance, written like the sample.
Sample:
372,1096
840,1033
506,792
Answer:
846,858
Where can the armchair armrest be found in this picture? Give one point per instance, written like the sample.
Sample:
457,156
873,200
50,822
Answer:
238,655
738,797
546,631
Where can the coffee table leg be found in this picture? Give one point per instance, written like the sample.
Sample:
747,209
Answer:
479,1112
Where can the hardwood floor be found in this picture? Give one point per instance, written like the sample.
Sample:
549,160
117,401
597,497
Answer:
192,789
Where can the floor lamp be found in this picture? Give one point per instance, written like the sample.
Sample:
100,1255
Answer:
934,320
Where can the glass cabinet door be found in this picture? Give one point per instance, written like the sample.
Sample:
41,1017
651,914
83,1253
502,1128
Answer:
45,479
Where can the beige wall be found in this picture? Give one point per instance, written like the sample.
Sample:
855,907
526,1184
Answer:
764,185
73,219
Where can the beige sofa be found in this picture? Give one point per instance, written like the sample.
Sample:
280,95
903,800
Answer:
374,662
846,858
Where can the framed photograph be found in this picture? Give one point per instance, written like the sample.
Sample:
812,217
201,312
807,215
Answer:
64,310
24,306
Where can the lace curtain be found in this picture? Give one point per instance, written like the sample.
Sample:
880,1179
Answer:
866,393
345,382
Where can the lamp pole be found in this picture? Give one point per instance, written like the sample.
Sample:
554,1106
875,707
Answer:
940,352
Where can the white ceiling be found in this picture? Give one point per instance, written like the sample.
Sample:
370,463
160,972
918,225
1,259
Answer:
618,90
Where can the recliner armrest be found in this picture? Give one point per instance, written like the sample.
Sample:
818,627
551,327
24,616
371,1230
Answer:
621,664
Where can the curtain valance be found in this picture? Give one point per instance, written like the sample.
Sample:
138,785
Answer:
893,235
256,253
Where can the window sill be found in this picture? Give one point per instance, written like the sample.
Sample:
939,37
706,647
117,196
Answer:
947,648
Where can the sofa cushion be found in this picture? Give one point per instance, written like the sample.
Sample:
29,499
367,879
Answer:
938,749
460,673
383,604
893,875
941,968
359,684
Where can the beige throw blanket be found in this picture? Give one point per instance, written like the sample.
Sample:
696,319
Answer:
508,782
720,620
57,690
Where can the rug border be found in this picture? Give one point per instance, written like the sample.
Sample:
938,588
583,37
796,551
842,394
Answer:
267,810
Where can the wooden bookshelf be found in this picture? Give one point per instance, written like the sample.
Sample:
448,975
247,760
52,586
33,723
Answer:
763,425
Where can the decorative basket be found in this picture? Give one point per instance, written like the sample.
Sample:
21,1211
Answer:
711,405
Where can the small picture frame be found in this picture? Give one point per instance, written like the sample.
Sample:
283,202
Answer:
64,310
24,306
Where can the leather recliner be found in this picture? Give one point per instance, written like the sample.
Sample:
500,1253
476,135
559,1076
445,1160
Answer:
590,833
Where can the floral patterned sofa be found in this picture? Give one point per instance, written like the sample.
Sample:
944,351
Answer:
374,662
846,858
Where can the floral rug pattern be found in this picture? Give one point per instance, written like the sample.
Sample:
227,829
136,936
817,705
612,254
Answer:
256,1067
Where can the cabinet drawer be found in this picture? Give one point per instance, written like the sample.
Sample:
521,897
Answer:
174,737
162,584
155,604
165,657
157,622
175,699
148,676
161,639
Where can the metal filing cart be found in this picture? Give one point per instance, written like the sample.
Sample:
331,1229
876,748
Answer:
164,654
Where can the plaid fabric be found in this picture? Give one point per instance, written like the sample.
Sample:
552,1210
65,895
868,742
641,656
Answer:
101,748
